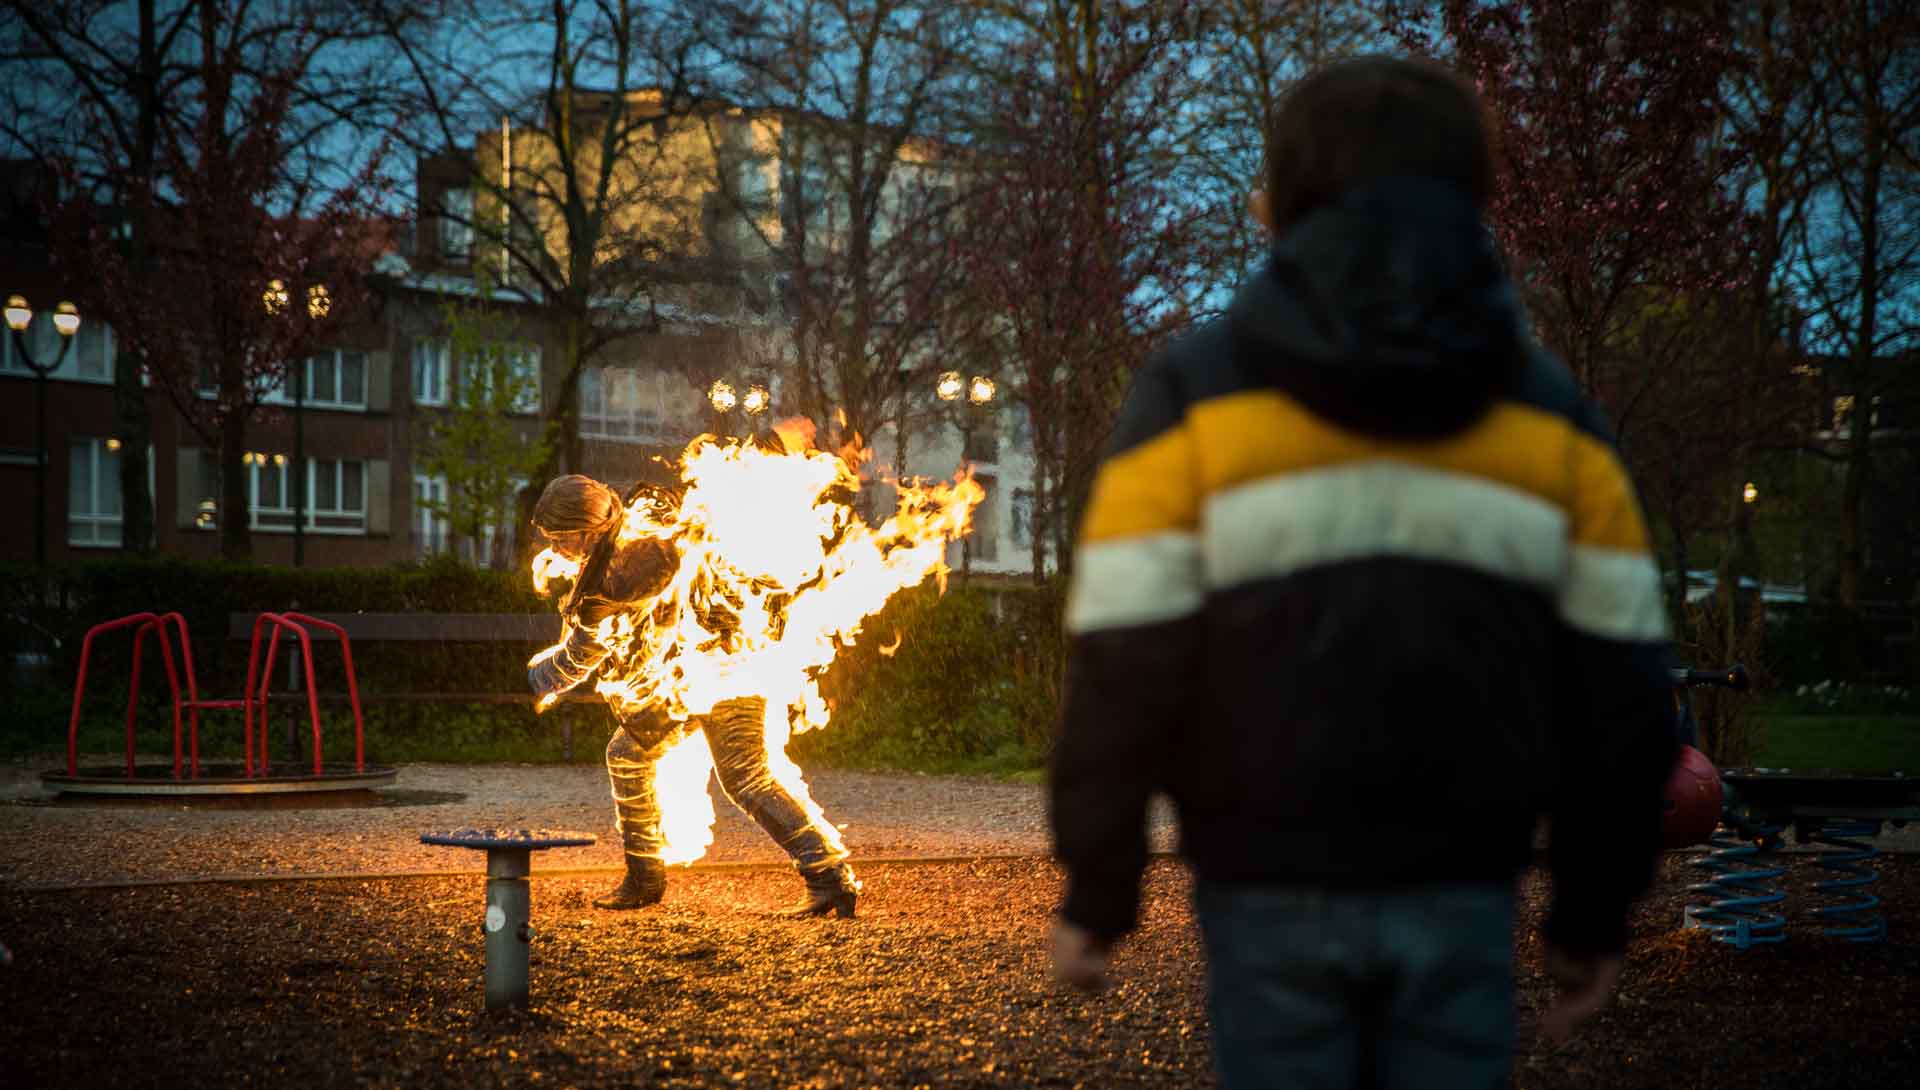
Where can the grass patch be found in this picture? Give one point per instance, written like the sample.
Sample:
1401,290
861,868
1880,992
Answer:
1869,743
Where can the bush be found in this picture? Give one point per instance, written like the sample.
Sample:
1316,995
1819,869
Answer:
50,614
972,685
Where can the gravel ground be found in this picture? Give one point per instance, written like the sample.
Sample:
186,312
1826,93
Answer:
45,841
375,981
939,983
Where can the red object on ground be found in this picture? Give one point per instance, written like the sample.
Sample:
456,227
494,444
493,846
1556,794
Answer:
252,702
1692,800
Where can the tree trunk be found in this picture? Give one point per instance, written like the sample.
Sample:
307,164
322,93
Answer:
1036,528
133,424
236,539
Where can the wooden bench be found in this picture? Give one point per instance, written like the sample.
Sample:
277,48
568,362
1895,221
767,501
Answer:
534,630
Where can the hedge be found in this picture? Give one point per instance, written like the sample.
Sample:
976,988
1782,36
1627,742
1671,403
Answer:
973,682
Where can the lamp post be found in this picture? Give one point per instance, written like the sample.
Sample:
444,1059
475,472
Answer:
276,299
66,319
978,392
754,403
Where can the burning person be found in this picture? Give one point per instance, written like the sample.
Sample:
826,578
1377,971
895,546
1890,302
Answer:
629,575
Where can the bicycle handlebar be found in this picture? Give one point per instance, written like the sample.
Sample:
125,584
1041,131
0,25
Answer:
1734,677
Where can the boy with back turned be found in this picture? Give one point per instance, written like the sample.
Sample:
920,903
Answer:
1364,587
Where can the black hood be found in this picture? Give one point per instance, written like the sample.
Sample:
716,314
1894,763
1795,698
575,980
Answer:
1386,312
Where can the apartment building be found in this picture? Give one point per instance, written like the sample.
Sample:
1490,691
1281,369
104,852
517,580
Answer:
711,311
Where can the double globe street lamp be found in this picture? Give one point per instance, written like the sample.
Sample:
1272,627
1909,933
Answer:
754,403
276,299
66,319
967,399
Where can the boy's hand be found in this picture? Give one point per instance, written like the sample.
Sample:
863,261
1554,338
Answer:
1079,958
1583,984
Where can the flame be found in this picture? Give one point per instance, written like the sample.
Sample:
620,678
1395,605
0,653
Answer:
777,573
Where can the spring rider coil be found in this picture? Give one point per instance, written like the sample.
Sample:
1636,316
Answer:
1856,916
1741,913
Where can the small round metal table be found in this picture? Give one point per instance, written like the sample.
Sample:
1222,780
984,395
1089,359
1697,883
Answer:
509,861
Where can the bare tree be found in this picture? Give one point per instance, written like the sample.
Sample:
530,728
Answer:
160,115
579,139
1855,257
849,190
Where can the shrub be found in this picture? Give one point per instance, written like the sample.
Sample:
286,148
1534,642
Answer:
971,684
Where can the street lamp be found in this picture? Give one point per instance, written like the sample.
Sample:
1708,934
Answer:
978,392
1750,493
755,402
277,299
66,319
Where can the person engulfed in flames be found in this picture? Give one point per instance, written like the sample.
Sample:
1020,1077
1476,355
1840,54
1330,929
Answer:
581,519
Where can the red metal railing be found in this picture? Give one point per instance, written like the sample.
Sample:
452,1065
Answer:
353,687
259,677
142,624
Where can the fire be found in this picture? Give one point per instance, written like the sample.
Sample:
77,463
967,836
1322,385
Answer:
777,572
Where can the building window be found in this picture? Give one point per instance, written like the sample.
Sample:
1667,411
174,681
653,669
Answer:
93,493
620,403
521,360
1020,518
982,441
336,494
429,529
337,378
339,495
985,538
88,359
456,225
430,355
433,535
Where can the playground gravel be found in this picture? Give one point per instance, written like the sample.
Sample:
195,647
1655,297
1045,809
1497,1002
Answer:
940,982
45,840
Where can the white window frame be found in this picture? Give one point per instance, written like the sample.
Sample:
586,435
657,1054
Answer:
103,530
44,341
433,535
432,361
634,424
523,359
340,468
430,531
343,521
302,371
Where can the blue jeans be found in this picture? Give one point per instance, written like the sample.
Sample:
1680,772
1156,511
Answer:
1334,988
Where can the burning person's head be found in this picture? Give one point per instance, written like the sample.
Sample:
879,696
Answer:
574,512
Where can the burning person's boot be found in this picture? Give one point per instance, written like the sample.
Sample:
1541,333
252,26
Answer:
645,883
831,886
830,890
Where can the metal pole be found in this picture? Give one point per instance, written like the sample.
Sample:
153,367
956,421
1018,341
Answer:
966,541
40,475
506,927
299,463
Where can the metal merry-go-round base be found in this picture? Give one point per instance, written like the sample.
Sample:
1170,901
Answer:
215,781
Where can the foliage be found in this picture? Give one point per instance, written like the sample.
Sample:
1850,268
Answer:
1729,730
864,92
1078,240
55,612
242,214
474,445
969,686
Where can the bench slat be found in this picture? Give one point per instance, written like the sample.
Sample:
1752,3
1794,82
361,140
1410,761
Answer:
530,628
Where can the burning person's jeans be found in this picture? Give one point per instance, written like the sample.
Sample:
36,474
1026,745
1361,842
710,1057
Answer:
736,738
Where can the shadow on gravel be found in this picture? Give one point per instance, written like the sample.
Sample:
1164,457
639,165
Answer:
940,982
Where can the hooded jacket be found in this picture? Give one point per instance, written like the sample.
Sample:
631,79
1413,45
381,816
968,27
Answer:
1363,585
